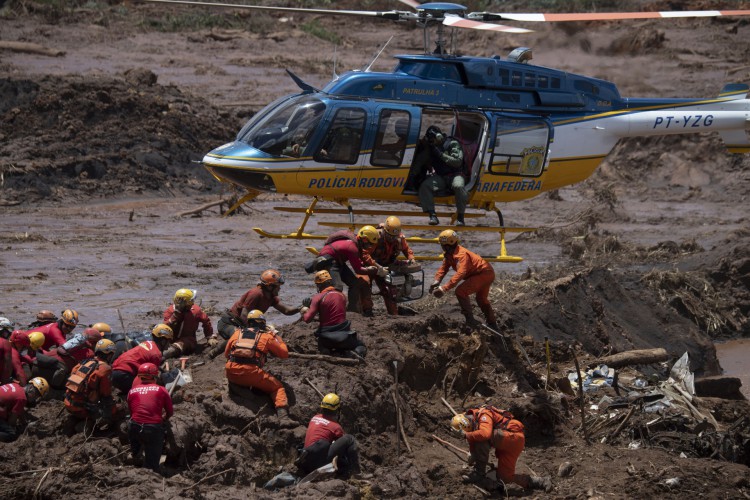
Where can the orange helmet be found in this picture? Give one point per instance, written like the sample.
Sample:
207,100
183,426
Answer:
271,277
46,316
102,327
322,277
392,226
69,317
448,237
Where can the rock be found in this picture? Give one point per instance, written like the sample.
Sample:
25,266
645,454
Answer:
565,469
719,387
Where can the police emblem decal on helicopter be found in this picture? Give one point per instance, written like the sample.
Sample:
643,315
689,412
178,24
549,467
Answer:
524,129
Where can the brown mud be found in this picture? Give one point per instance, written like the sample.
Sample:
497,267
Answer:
96,155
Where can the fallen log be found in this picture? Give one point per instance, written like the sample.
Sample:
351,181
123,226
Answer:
30,48
328,359
201,208
639,357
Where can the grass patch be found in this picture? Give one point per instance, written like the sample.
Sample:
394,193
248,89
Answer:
192,20
315,29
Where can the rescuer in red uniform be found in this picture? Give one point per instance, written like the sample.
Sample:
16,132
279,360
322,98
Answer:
56,333
334,332
150,407
125,368
325,440
476,273
342,247
246,354
13,402
56,363
25,345
262,297
184,316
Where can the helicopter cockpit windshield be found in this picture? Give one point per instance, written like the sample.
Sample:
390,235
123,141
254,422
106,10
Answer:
286,130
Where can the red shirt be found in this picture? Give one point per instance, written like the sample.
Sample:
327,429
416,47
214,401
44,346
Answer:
12,400
255,298
343,251
332,310
322,428
18,366
147,402
52,335
145,352
6,360
186,324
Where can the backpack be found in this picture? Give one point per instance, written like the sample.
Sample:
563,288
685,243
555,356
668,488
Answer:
343,234
78,380
245,347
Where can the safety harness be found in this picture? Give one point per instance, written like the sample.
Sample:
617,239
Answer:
244,351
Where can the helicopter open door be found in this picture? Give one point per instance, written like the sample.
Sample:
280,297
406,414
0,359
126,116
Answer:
521,148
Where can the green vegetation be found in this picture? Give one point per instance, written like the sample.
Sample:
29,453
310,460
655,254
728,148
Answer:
193,20
315,29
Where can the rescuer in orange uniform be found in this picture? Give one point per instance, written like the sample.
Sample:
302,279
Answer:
487,427
88,392
476,273
391,243
246,354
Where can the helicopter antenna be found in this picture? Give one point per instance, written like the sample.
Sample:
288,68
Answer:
367,68
335,76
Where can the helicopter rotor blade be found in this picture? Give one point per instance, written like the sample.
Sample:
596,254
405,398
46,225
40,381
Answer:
455,21
411,3
601,16
392,14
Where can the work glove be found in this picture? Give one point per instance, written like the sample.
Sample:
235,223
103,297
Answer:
212,341
370,271
307,302
382,272
438,292
303,310
434,285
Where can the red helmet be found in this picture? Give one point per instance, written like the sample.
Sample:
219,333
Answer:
148,370
92,336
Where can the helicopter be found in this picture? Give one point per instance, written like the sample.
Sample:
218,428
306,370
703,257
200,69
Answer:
524,129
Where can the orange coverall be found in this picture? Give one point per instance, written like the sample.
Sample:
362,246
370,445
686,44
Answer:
478,276
250,373
98,386
492,429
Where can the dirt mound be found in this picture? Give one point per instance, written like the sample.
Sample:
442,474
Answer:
95,136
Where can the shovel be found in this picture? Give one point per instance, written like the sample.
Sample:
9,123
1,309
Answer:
326,470
186,374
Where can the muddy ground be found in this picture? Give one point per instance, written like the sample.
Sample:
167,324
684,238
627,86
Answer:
96,154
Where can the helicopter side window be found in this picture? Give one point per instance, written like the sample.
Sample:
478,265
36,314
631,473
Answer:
343,140
390,143
520,147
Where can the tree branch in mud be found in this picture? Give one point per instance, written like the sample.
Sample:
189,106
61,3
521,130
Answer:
637,357
30,48
202,208
328,359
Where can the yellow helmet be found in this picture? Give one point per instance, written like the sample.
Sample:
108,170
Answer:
322,277
368,234
36,340
185,296
105,346
162,331
331,402
102,327
448,237
41,385
256,316
461,422
392,226
69,317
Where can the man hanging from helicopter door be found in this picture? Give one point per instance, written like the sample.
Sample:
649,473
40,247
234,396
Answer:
440,163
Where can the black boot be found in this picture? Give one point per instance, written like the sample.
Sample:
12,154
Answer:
541,483
434,221
460,220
